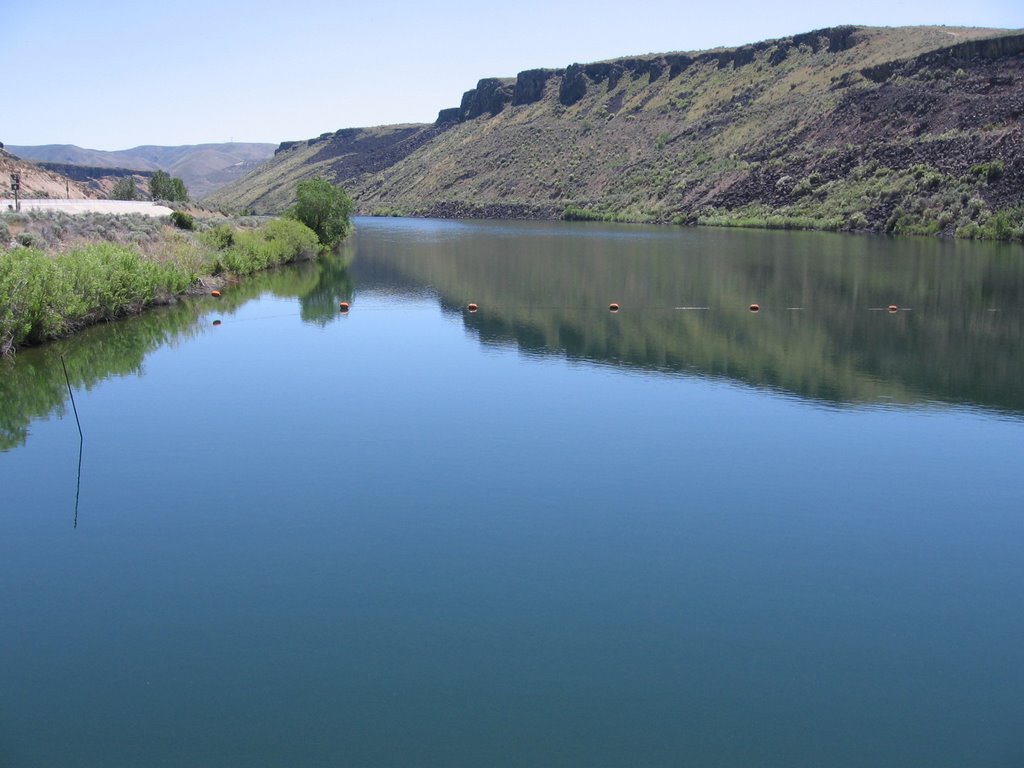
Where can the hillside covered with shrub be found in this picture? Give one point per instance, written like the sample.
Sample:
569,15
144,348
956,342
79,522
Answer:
912,130
203,167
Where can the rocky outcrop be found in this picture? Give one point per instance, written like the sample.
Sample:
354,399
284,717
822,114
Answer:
448,116
610,71
530,85
492,95
356,151
838,38
988,49
489,97
577,77
574,85
89,173
456,209
775,127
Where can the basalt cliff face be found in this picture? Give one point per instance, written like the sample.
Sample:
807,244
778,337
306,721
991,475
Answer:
890,129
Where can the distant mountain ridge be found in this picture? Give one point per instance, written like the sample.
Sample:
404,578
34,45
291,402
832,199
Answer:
203,167
36,181
910,129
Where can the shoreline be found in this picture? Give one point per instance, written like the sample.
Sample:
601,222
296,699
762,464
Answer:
456,210
51,289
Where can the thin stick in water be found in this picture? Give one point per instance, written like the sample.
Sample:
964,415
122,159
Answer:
81,437
72,394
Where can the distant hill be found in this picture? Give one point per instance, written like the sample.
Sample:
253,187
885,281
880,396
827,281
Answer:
203,167
37,181
912,129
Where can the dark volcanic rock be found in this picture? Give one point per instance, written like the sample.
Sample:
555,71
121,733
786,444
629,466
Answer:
610,71
677,64
450,115
530,85
990,49
490,96
89,173
353,152
837,39
574,85
460,209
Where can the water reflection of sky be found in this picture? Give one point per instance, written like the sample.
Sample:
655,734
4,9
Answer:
387,538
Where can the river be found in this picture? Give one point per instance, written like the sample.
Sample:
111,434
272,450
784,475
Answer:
540,533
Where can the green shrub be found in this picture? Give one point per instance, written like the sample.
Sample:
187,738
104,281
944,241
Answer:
44,297
183,220
573,213
969,231
1007,224
277,242
857,221
124,189
989,172
28,283
324,208
219,237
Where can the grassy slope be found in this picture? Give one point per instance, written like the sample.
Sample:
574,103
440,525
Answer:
796,135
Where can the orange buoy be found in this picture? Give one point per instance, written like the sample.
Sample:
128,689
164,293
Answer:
215,294
472,307
216,323
893,309
755,307
613,307
343,306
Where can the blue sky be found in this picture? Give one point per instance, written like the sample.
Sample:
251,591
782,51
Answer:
114,75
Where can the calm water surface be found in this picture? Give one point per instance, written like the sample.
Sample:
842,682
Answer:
540,534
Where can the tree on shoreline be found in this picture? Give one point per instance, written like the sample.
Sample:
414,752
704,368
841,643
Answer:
324,208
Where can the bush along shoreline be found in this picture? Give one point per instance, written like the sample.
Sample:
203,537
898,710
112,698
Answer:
60,273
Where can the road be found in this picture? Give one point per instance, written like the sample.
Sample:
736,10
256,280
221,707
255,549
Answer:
89,206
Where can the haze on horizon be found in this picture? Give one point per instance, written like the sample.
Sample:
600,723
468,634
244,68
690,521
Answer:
131,74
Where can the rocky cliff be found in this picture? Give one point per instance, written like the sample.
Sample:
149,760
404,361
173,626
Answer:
894,129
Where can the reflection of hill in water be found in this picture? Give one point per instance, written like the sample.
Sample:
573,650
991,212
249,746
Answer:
546,288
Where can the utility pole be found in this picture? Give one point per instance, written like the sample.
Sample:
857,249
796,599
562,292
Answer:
16,185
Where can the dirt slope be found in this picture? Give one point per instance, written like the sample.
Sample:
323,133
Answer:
37,182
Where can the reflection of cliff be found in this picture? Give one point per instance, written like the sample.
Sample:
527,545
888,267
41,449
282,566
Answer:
33,385
548,293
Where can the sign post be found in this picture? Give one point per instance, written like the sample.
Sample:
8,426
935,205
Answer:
16,185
